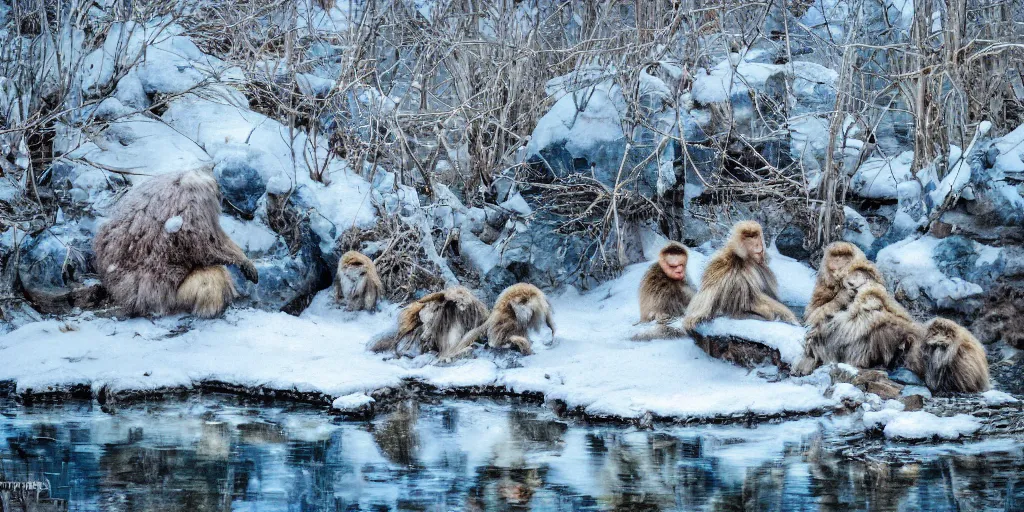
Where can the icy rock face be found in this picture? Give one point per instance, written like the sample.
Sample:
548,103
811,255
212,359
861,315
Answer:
951,273
53,266
241,185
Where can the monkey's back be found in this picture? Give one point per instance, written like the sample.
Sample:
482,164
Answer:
154,238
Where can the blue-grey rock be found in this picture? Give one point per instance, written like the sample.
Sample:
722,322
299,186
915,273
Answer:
241,186
790,242
905,376
55,270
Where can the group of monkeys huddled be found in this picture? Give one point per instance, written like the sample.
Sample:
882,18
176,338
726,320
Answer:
850,319
163,251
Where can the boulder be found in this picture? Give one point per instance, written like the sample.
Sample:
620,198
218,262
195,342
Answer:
790,242
740,351
241,186
55,270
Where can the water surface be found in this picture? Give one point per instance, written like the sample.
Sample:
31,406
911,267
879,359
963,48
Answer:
223,453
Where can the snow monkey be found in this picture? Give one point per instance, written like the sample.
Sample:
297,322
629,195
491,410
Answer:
664,290
738,283
436,323
163,250
872,331
842,290
838,256
356,283
949,358
520,308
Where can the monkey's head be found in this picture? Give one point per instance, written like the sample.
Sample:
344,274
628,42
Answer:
872,297
941,333
858,277
748,241
461,297
672,260
839,255
354,263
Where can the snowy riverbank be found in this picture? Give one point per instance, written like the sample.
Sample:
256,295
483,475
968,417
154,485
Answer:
592,367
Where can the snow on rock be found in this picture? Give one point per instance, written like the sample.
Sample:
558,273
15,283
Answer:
858,231
352,402
253,237
877,178
740,74
141,147
788,339
592,365
920,425
909,266
995,397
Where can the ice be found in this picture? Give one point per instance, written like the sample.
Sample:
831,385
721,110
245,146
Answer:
995,397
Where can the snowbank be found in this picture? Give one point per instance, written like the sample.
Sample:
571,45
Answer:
592,364
908,265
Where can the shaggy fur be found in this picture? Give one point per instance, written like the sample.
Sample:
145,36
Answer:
520,308
356,283
872,331
143,260
661,297
950,359
435,323
736,285
838,256
818,345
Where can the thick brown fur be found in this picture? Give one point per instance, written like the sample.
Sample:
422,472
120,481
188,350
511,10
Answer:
873,331
837,258
435,323
736,285
144,266
818,345
520,308
662,297
950,359
356,283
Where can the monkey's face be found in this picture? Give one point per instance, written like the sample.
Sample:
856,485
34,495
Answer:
356,270
856,280
674,266
754,246
838,262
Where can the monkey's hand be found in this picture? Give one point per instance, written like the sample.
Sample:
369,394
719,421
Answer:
249,271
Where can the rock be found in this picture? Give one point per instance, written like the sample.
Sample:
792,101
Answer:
739,351
885,389
916,390
241,186
905,376
55,270
912,402
843,373
865,376
790,242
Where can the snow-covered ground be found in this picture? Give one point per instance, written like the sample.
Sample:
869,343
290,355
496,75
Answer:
591,364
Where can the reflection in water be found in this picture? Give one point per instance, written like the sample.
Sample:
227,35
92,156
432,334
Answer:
221,453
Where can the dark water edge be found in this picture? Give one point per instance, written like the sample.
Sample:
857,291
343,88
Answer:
226,453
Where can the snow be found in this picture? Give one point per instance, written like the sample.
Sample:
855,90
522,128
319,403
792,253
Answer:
921,425
877,178
786,338
858,231
352,402
994,397
252,236
592,365
173,224
1011,149
908,265
582,119
738,75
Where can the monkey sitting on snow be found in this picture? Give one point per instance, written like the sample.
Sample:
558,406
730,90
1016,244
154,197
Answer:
519,309
738,283
435,323
356,283
665,292
163,250
873,330
949,358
